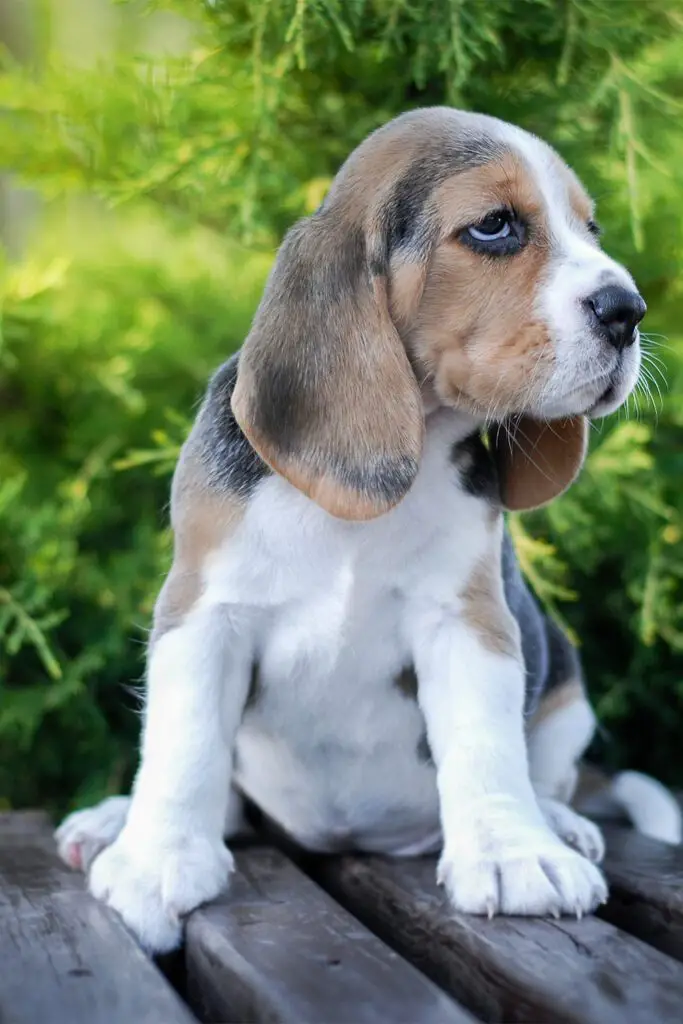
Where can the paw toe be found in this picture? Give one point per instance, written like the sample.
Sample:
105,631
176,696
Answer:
153,888
549,880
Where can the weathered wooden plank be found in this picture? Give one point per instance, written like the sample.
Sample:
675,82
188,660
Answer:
65,958
277,948
646,883
25,823
509,969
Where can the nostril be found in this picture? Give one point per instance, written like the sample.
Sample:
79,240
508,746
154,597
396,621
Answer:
618,312
641,308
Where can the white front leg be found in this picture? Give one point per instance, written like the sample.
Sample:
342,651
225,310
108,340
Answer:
499,855
170,855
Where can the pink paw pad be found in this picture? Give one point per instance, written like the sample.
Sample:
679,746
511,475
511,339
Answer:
74,856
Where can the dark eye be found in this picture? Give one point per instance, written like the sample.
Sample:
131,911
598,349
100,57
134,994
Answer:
594,228
495,225
499,233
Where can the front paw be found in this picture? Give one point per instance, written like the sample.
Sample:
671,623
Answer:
153,884
518,869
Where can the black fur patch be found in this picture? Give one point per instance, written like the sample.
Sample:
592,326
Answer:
324,274
230,461
285,404
424,751
565,664
309,285
550,659
255,689
388,477
404,210
531,621
477,469
405,218
406,682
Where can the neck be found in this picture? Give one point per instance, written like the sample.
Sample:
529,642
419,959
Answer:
465,422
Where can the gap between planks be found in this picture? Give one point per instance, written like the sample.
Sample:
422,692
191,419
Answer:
508,969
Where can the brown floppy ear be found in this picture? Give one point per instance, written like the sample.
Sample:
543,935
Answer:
325,392
538,461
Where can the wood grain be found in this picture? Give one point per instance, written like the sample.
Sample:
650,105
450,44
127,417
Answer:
509,969
277,948
646,886
65,958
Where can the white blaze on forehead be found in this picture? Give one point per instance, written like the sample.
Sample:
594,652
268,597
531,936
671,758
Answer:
569,241
583,365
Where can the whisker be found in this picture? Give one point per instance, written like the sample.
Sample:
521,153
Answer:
528,457
644,382
657,364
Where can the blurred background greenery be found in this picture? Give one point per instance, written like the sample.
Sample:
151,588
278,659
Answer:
152,157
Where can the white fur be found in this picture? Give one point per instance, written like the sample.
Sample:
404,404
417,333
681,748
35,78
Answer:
331,612
584,365
573,829
556,744
170,855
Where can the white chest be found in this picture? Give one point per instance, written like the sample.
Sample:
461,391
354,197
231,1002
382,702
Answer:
330,744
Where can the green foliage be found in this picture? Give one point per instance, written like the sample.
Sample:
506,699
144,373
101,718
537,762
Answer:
168,169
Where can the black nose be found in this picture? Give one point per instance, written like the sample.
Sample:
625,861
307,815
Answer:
618,312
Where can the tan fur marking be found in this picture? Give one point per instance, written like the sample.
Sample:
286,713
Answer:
381,160
555,700
485,611
201,522
333,335
364,405
176,598
405,291
477,329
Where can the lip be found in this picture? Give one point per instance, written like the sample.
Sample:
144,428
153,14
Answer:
606,396
585,392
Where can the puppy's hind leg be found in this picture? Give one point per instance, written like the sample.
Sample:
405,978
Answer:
84,834
558,735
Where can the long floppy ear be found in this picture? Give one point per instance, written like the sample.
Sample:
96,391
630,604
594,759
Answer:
325,392
538,461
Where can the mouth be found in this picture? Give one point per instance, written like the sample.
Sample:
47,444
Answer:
607,396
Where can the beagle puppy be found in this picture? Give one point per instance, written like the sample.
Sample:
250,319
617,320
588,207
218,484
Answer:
344,636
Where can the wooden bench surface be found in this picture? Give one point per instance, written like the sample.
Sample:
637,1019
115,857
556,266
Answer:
344,940
64,958
277,947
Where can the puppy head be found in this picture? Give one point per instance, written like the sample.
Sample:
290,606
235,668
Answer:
452,248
